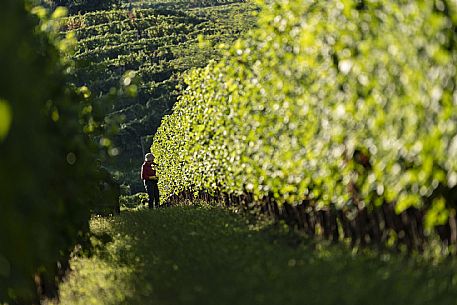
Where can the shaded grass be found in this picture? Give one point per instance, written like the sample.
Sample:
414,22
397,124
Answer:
188,255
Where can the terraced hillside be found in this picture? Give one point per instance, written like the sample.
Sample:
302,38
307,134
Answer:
158,40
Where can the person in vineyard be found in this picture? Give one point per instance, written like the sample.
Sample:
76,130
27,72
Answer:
150,180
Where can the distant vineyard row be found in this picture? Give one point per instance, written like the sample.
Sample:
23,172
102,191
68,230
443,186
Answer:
83,6
327,106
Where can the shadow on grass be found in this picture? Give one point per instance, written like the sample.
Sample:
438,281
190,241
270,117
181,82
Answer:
200,256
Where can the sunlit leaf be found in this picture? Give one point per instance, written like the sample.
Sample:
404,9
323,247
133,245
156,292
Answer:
6,117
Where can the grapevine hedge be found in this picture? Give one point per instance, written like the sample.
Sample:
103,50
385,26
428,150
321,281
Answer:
48,175
339,103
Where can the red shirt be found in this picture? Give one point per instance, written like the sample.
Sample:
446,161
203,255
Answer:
147,171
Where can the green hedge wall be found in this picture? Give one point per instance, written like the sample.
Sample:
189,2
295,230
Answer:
48,176
343,102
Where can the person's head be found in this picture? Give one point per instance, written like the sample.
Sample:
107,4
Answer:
149,157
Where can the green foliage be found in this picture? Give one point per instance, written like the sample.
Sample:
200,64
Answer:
328,101
134,201
210,256
48,175
5,119
158,40
77,6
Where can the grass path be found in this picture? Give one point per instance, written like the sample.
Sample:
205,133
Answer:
211,256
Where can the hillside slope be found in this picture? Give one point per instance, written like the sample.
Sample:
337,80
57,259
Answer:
158,40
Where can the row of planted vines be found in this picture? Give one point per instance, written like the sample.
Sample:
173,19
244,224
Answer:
339,116
49,181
